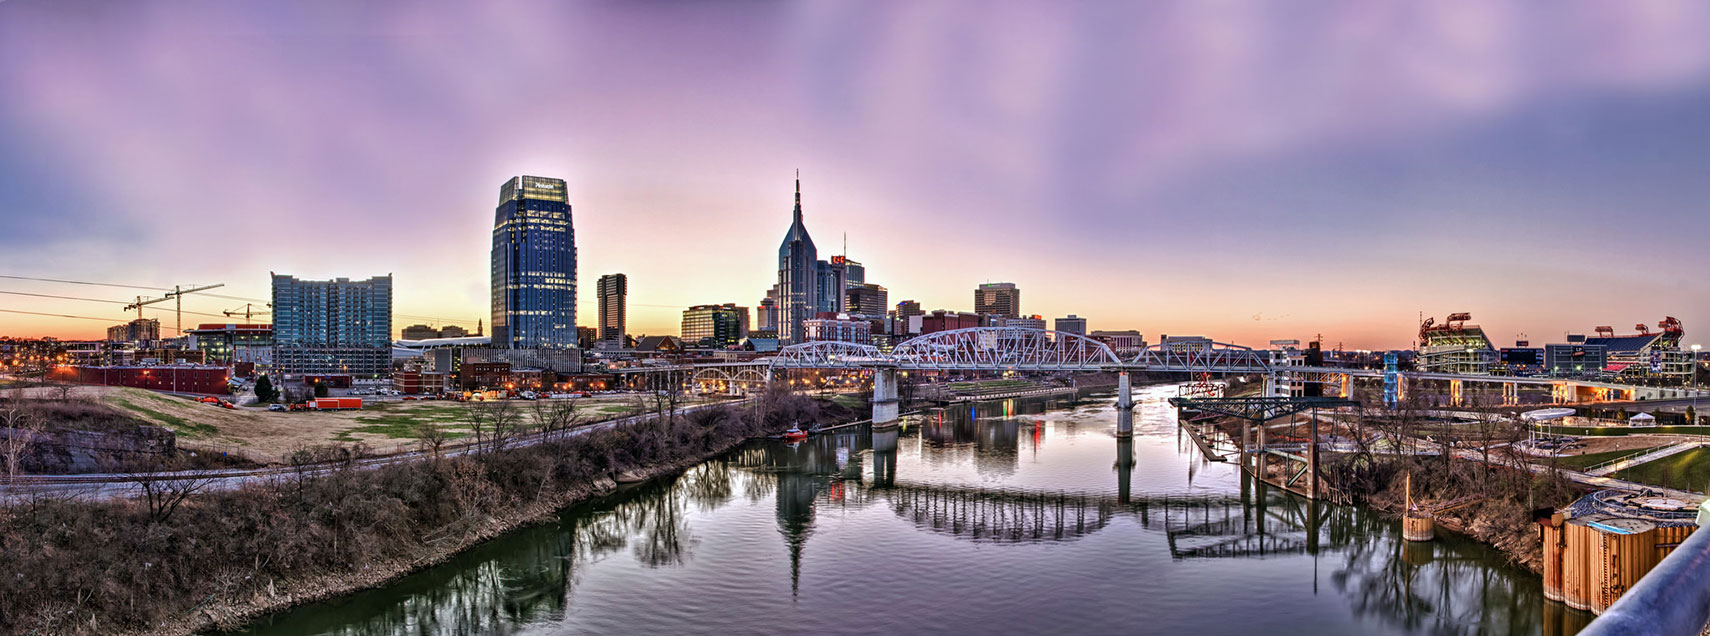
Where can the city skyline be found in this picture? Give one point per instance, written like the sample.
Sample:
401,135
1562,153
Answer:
1423,192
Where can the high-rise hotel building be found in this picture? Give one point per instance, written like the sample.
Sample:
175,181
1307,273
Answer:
534,266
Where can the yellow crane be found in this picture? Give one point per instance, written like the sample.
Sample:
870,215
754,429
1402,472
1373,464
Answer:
177,294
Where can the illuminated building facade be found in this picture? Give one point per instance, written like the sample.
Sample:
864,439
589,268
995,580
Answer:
534,266
715,326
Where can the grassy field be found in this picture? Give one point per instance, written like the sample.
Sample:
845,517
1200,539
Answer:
148,406
1654,430
400,420
1687,471
268,436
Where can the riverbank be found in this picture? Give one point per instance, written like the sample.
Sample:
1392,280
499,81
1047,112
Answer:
201,561
1501,515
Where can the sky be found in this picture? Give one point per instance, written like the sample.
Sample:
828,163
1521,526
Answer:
1241,170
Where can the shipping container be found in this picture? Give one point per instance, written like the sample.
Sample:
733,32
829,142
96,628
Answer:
337,404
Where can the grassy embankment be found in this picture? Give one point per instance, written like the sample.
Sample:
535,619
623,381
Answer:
191,561
1689,470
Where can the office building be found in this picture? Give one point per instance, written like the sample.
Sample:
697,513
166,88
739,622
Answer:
798,277
852,272
453,331
339,326
828,280
534,266
1072,324
715,326
997,299
614,299
867,299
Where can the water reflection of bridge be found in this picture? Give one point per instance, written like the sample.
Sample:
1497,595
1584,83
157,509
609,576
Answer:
858,469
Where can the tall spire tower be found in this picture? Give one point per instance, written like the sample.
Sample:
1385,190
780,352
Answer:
798,294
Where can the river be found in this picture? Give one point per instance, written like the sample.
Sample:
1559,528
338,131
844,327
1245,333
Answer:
1022,516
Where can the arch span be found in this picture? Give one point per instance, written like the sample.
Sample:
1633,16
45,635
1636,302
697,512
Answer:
1004,348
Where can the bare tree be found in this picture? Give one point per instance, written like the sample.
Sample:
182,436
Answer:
493,422
62,390
165,491
552,416
431,436
21,426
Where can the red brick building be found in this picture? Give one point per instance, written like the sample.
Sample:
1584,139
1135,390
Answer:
182,378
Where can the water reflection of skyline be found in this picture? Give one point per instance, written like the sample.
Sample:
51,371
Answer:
528,581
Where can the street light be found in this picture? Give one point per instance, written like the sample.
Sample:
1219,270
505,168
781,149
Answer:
1695,349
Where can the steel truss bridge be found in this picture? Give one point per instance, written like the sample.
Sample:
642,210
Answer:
1002,349
1019,349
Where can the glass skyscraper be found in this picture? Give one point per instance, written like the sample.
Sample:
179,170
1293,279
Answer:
336,326
534,266
798,277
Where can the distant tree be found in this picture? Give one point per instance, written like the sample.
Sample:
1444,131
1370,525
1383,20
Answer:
264,392
320,389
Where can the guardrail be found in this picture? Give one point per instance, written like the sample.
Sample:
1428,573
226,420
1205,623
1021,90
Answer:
1673,598
1641,453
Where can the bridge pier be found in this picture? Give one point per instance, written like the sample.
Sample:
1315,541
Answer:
884,397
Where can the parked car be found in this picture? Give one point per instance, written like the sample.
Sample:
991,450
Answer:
277,407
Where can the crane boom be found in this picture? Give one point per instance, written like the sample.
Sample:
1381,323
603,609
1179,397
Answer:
176,295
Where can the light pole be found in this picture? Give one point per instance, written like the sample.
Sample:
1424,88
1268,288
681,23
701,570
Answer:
1695,349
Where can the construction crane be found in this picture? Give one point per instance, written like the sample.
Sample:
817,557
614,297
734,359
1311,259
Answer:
248,309
176,295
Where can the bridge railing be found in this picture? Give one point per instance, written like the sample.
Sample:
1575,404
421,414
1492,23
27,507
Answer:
1673,598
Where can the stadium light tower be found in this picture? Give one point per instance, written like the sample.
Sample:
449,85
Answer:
1695,390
